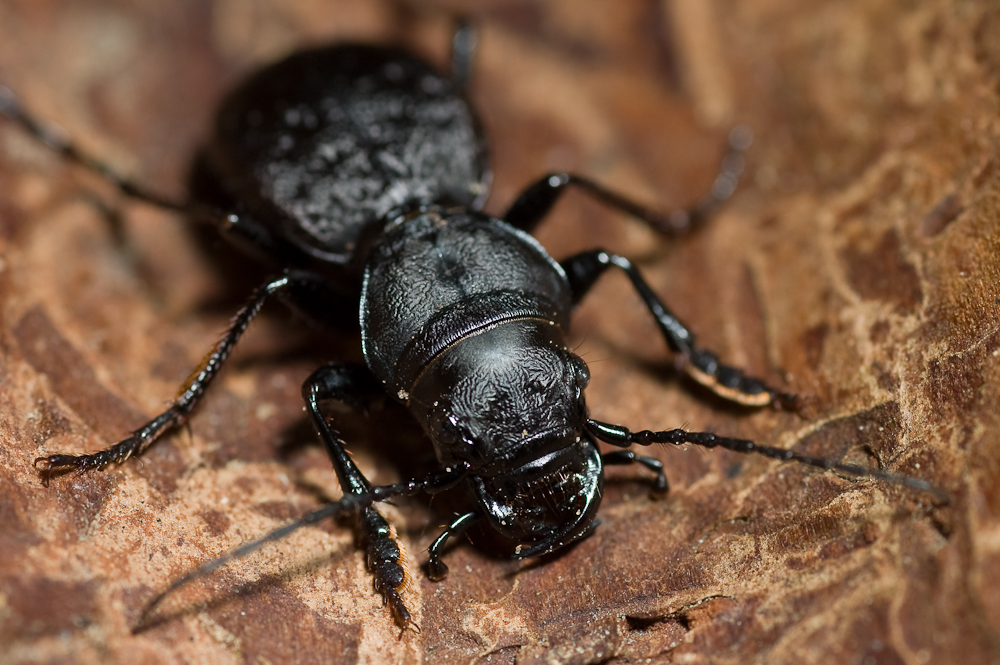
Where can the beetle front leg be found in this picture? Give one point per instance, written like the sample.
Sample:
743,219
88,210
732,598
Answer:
437,569
700,364
622,457
352,384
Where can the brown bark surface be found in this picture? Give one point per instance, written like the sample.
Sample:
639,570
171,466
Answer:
858,266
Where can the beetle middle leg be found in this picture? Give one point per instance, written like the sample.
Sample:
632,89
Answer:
701,365
193,389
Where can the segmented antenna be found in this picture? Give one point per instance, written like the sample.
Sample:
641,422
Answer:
350,503
618,435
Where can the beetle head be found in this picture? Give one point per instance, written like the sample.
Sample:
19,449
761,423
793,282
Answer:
509,401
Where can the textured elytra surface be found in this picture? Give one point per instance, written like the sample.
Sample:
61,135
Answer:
857,266
332,139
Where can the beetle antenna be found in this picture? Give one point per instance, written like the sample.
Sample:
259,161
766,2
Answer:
620,436
350,503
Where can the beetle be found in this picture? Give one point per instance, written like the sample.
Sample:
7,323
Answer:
363,171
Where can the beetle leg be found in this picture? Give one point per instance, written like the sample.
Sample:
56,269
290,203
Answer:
536,201
386,556
350,503
437,569
701,365
240,228
190,393
463,53
53,137
621,457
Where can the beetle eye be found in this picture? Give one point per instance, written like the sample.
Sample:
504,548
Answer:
581,370
445,428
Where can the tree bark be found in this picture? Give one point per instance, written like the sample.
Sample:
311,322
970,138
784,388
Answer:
857,266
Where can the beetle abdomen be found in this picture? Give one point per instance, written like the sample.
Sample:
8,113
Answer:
330,140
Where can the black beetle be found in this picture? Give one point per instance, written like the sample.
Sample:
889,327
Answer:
362,170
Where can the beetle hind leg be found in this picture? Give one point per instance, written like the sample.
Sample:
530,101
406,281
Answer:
54,138
242,229
463,53
539,197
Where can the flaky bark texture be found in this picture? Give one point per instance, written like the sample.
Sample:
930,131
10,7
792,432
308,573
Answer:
858,266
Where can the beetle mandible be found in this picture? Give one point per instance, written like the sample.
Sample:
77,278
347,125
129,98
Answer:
363,171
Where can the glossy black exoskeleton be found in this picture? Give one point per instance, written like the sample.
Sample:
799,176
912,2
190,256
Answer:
362,170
